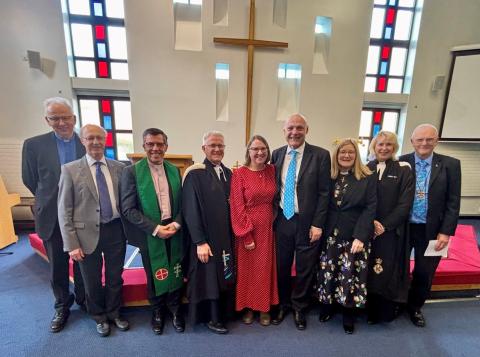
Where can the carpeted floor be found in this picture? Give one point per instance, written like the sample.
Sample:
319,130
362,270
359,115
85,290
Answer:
26,309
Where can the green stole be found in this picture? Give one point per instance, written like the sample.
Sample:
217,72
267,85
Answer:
167,275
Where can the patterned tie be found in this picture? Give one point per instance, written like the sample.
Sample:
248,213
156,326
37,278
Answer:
420,201
106,211
289,194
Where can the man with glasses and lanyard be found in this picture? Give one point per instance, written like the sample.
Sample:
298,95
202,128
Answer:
434,214
42,157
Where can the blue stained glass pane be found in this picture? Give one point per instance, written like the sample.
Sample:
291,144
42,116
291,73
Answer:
383,67
102,51
110,153
392,2
97,9
388,33
376,129
107,122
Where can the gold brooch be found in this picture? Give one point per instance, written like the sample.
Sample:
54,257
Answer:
377,268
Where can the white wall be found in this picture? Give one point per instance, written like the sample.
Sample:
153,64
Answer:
175,90
29,25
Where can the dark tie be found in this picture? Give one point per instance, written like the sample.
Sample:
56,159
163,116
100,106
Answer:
106,211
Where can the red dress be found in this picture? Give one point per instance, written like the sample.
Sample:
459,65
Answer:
251,198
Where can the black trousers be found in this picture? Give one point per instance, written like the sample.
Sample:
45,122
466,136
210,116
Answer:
104,302
424,270
59,273
290,243
170,300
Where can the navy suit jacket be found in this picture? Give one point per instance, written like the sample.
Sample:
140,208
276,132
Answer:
313,185
41,173
443,194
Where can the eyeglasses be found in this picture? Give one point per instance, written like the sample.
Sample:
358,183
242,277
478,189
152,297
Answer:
91,139
216,146
427,140
150,145
258,149
345,153
56,119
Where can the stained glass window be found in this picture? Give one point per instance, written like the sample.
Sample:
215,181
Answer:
97,38
372,120
390,33
114,115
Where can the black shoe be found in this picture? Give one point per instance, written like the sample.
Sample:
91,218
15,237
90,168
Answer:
121,324
158,321
103,328
372,319
279,316
59,320
348,328
348,321
300,320
417,318
217,327
178,322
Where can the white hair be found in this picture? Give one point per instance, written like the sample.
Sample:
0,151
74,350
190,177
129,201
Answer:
297,115
425,125
83,128
56,100
211,133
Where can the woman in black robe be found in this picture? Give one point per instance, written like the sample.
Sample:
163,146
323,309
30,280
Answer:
388,272
342,275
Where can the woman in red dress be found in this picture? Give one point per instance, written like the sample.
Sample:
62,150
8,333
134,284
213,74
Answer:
251,204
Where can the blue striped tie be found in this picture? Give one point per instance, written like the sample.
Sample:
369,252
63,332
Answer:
106,211
289,193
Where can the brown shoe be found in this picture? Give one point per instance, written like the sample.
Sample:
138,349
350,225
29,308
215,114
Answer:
264,318
247,316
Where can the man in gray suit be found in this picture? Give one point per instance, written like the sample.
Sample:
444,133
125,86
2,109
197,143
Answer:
42,157
89,218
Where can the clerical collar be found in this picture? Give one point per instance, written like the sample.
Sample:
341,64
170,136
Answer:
62,139
91,161
299,150
155,166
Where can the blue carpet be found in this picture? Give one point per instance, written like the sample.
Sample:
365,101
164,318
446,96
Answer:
26,309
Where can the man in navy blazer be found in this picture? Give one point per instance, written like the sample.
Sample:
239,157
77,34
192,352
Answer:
435,211
42,157
299,230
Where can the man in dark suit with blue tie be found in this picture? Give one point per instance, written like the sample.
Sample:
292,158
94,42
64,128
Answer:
434,214
42,157
303,181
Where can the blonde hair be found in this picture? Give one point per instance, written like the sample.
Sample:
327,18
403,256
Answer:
359,169
387,135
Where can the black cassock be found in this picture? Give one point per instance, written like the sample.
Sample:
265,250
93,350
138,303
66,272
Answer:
206,216
390,255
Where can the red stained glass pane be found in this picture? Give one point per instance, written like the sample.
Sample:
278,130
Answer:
381,84
109,140
377,117
102,69
100,32
106,108
385,52
390,16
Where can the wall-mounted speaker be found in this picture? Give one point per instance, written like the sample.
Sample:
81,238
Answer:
34,59
438,83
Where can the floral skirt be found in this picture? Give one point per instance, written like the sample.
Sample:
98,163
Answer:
342,276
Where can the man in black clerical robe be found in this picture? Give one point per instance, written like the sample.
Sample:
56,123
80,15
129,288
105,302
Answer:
211,270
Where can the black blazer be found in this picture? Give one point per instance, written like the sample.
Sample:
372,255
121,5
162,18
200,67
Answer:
443,194
136,224
41,173
313,184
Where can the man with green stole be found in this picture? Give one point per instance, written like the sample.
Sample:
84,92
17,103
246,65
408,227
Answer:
150,195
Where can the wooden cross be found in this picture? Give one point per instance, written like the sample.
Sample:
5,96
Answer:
7,233
250,43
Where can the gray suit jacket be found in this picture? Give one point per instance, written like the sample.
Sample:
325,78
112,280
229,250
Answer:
78,204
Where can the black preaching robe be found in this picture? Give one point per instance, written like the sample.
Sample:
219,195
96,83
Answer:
390,254
206,215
